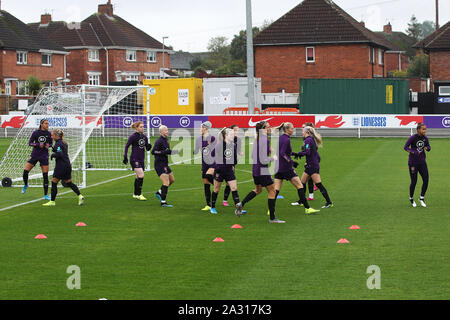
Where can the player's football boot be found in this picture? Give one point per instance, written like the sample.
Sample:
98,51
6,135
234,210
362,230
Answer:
24,189
206,208
49,204
80,200
213,211
276,221
311,211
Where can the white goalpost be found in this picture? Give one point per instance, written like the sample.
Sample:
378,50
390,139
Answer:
96,122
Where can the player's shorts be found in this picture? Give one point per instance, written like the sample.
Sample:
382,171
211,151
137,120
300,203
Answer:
287,175
137,165
42,162
205,169
224,174
63,173
311,170
163,170
263,180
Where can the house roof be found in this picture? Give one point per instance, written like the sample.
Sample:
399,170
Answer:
14,34
316,22
400,41
112,31
181,60
440,39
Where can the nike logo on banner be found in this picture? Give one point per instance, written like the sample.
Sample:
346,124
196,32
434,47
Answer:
253,124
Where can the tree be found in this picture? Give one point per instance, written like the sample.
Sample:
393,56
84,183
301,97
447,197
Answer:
427,27
419,67
34,85
220,52
414,28
238,48
266,23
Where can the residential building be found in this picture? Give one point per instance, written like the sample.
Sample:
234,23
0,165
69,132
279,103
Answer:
105,48
317,39
24,53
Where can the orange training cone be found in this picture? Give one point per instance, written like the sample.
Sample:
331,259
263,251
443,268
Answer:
236,226
218,240
40,236
354,227
81,224
343,240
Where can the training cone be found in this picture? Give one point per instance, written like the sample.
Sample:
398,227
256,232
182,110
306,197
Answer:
218,240
343,240
81,224
354,227
236,226
40,236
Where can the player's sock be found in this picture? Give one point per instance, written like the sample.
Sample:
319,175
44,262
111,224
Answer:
249,197
136,187
45,175
54,190
311,188
271,203
207,188
301,195
164,190
140,184
324,192
235,195
74,188
226,193
25,177
214,199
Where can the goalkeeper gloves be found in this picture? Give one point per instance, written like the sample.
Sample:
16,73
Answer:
125,160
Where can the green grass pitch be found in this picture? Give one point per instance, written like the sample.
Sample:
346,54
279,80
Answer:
138,250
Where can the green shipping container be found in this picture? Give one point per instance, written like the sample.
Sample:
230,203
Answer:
354,96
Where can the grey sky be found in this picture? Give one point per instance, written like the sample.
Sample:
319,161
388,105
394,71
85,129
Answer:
191,23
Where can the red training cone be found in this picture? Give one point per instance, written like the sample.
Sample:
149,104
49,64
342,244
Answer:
354,227
218,240
40,236
81,224
236,226
343,240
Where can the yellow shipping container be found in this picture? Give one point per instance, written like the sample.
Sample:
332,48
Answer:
174,96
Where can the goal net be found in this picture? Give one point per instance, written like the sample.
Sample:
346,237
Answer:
96,122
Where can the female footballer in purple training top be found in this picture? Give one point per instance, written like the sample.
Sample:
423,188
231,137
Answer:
416,145
63,168
313,140
238,142
41,141
205,143
224,169
285,166
261,174
139,143
161,151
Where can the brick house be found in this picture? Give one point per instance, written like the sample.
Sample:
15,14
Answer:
105,48
437,46
316,39
398,57
25,52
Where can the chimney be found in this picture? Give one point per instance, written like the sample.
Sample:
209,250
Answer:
106,8
387,28
363,24
46,18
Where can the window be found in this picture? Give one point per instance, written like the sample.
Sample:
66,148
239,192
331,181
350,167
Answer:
21,88
310,54
151,56
444,91
380,57
8,88
131,55
22,57
372,57
151,75
94,79
132,78
46,59
94,55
